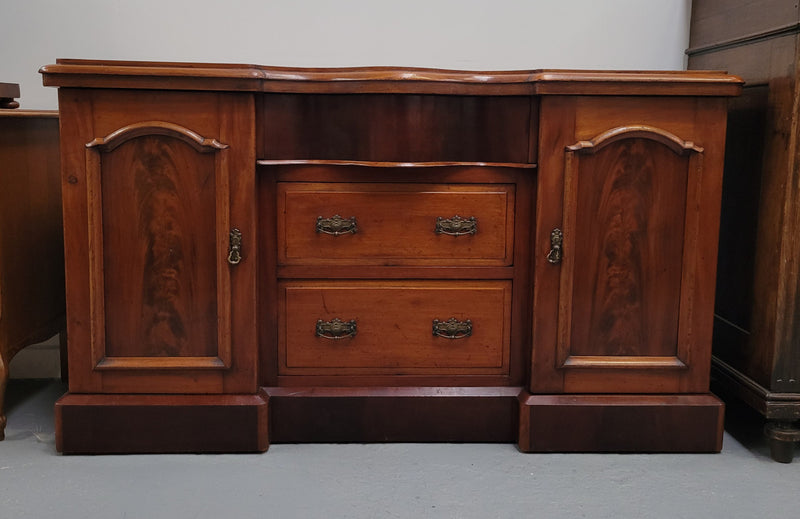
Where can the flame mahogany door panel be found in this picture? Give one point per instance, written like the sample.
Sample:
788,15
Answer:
620,310
162,188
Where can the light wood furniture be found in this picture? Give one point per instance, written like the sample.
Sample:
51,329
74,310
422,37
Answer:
757,327
260,254
31,250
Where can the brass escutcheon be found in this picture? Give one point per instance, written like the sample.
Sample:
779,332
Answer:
556,240
235,247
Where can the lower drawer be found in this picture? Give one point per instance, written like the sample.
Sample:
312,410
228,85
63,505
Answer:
394,327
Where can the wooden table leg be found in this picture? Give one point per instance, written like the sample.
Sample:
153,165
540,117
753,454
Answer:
782,437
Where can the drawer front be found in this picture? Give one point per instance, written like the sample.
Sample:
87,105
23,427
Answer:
388,327
395,224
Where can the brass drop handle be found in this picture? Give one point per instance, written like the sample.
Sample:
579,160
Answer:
452,328
336,329
456,226
235,247
336,225
556,251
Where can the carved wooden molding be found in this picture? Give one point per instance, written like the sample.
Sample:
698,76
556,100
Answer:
132,131
254,78
386,164
622,362
672,141
162,363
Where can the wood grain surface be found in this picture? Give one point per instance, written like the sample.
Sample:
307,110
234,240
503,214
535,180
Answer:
409,128
254,78
396,224
394,327
160,268
31,245
631,200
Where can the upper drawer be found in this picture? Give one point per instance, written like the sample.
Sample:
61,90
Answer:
395,224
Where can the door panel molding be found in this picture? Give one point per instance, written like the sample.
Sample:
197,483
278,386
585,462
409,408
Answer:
100,150
627,278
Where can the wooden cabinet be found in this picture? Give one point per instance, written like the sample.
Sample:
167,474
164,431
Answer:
630,293
31,253
623,306
756,329
421,255
162,185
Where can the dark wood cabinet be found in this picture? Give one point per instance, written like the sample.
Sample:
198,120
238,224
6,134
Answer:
389,255
756,329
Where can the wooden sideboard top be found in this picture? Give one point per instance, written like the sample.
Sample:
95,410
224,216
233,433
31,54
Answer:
28,114
256,78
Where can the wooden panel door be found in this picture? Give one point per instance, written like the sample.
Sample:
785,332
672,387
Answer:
627,264
158,217
167,211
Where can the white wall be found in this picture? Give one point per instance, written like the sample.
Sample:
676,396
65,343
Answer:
464,34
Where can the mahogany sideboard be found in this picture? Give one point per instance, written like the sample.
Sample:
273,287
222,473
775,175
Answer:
31,253
260,254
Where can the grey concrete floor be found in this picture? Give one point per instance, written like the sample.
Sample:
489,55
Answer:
385,480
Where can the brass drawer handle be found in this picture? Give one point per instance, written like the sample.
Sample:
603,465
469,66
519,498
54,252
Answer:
235,247
456,226
556,241
336,329
336,225
452,328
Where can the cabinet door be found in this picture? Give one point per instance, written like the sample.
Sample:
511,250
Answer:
170,243
629,255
